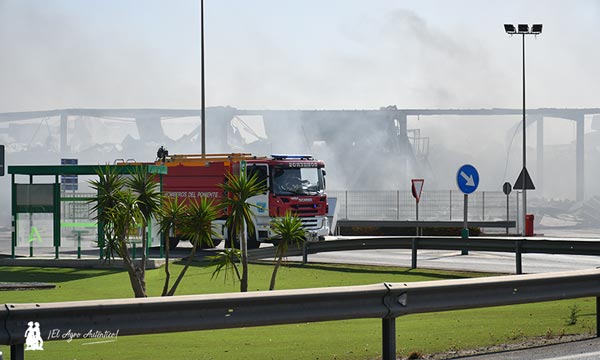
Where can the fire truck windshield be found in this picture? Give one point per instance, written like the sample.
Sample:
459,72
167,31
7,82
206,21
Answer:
297,181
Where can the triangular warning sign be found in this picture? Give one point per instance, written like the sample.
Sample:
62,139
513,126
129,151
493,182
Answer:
524,181
417,188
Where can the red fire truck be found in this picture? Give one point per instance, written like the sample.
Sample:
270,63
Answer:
295,183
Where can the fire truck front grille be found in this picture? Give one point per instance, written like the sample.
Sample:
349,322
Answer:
310,223
305,209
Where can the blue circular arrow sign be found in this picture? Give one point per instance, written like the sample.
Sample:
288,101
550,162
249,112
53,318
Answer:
467,178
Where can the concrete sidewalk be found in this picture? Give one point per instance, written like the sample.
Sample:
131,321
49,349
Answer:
83,263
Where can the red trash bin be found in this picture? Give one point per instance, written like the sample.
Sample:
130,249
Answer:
529,225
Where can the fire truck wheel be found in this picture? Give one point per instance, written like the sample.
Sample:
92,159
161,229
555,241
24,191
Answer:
229,244
252,242
216,243
173,242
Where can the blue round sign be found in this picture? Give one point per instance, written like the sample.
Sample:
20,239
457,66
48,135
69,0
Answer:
467,178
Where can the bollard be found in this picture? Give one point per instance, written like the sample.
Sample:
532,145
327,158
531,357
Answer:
518,258
79,245
464,234
414,254
304,253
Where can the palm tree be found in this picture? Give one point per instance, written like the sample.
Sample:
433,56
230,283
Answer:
226,261
124,219
289,232
196,225
241,218
170,215
147,192
117,209
124,204
107,187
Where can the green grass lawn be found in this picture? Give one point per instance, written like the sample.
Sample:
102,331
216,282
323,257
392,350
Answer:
351,339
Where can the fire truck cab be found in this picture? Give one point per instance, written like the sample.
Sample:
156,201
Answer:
296,183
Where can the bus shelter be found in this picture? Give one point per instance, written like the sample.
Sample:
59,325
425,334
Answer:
47,207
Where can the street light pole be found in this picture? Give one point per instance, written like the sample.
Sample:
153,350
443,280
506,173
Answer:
524,182
524,144
203,102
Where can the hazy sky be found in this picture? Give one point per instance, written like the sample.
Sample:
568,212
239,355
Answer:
273,54
325,54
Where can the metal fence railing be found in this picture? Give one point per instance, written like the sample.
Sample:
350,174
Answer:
79,229
434,205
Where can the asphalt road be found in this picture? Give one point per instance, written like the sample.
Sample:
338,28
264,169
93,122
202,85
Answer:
475,261
432,259
577,350
453,260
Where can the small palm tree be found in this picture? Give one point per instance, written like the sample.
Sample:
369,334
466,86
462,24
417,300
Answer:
124,219
170,215
241,218
226,261
108,187
289,232
196,225
148,197
118,210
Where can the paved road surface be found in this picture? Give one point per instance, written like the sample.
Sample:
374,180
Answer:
475,261
453,260
578,350
433,259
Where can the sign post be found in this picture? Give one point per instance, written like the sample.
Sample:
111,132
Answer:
524,183
507,189
417,188
467,179
2,160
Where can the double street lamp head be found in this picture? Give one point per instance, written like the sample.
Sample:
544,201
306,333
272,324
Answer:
523,29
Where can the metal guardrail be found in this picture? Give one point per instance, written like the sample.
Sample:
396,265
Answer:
385,301
517,245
